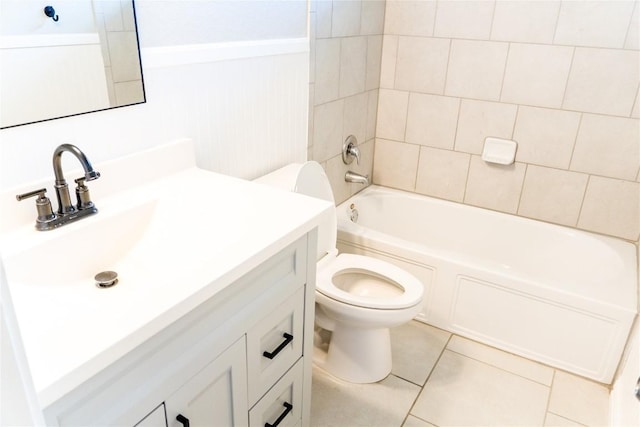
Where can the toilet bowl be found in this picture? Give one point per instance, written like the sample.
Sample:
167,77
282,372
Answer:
358,298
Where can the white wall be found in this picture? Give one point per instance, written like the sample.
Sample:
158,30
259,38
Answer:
247,116
27,17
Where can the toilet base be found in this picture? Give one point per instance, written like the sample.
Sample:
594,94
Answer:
356,355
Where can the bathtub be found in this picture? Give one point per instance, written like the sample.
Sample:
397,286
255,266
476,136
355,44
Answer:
561,296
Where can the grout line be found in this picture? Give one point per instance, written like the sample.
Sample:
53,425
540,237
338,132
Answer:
524,180
504,72
555,26
566,83
546,408
428,377
446,70
502,369
628,32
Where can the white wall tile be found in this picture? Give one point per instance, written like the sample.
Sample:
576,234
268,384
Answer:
355,116
327,131
611,206
335,170
345,18
552,195
388,65
431,120
546,137
635,113
324,10
327,74
536,74
372,17
464,19
633,34
395,164
530,21
374,60
392,114
494,186
480,119
422,64
593,23
372,114
476,69
442,173
410,17
353,65
608,146
603,81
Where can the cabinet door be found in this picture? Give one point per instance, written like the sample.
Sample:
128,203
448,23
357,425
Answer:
216,396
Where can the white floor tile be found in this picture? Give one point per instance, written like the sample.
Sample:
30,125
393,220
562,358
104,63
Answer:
503,360
580,400
415,348
466,392
341,404
554,420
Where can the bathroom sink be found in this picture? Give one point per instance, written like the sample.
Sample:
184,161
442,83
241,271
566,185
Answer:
74,255
146,235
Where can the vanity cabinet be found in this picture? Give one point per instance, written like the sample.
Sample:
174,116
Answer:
240,358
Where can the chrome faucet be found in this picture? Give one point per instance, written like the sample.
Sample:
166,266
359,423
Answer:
67,212
62,188
356,177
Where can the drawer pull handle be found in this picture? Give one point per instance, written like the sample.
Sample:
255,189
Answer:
183,420
288,407
287,339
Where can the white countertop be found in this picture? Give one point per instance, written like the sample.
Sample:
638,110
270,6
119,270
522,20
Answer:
71,331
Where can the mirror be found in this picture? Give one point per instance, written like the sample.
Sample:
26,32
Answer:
60,58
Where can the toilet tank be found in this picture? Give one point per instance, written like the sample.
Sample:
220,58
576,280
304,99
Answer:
309,179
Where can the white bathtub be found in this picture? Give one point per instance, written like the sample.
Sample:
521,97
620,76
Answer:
554,294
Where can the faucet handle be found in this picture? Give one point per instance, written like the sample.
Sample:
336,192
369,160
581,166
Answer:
39,193
82,194
350,150
43,205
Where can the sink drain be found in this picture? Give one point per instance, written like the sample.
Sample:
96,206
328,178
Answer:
106,279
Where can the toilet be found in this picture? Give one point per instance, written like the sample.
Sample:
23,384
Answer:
358,298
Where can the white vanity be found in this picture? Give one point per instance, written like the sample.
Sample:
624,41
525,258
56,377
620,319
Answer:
211,323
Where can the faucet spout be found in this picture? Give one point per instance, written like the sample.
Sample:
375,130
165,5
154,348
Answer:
62,189
356,177
89,173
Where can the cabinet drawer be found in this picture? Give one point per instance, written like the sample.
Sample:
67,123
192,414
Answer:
282,405
274,344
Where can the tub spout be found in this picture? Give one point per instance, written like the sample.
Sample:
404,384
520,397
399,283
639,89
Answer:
356,177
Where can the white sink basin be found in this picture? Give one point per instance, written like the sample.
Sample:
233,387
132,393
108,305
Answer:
72,257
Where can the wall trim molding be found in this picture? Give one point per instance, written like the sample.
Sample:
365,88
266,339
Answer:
171,56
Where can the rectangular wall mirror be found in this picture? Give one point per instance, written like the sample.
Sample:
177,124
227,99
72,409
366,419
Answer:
61,58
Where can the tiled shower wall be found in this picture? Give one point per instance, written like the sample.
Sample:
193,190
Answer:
346,49
559,77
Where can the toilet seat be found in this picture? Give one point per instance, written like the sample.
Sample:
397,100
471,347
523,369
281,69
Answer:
410,286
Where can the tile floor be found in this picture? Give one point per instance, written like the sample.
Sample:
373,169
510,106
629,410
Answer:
440,379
